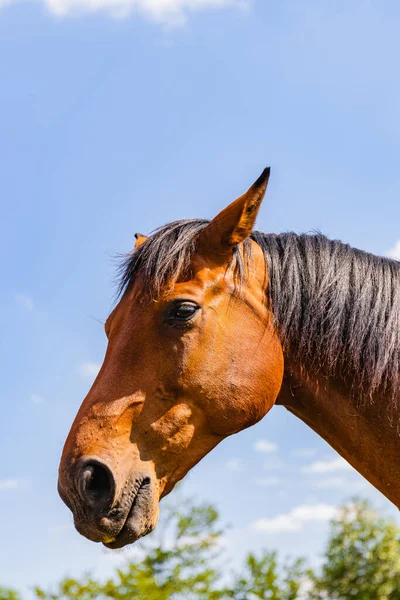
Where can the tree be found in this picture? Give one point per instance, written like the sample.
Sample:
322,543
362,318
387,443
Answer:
264,579
362,559
180,567
185,564
8,594
361,562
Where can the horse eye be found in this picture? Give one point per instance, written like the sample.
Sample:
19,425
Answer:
181,312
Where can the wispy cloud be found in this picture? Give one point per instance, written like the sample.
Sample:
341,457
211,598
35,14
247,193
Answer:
89,369
265,446
168,12
328,466
394,252
267,481
304,452
296,518
235,465
340,483
8,484
332,482
23,300
36,399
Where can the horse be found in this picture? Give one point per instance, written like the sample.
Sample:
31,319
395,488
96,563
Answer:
215,324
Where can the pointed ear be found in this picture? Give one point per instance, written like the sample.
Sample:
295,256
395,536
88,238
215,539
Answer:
140,238
234,224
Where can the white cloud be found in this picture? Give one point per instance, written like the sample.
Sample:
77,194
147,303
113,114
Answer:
89,369
265,446
267,481
395,251
296,518
341,482
168,12
304,452
328,466
21,299
332,482
37,399
276,524
8,484
235,465
317,512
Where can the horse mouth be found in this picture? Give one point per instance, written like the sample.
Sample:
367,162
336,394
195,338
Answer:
140,519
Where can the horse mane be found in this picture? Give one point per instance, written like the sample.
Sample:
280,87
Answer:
337,308
165,257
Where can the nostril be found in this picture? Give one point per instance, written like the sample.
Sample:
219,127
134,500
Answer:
95,483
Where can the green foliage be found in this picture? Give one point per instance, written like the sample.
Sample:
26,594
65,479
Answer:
361,562
173,569
263,579
8,594
73,589
362,559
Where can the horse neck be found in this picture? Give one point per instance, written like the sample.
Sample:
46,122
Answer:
363,433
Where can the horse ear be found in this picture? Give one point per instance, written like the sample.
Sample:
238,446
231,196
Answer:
233,224
140,238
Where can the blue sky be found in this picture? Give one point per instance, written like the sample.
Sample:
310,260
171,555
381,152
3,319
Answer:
118,116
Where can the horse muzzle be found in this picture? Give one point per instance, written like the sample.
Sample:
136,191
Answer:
101,514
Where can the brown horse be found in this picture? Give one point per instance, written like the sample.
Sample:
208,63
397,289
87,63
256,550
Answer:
216,324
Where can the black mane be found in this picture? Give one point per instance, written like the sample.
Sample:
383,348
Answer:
336,307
